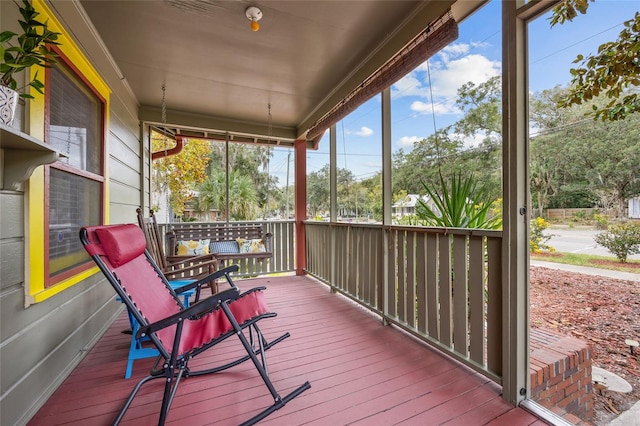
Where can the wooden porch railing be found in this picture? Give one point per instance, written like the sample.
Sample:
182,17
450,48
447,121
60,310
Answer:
443,286
283,246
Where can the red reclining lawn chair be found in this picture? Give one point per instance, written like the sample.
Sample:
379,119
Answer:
180,333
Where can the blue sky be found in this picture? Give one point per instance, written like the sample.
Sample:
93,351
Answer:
475,56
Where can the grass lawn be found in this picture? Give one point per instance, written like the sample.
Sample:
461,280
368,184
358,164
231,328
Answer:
602,262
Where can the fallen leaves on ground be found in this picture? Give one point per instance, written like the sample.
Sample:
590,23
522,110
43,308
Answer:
600,310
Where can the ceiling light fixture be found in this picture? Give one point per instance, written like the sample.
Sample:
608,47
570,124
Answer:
254,15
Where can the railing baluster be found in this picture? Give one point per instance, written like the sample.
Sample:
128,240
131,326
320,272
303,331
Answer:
444,286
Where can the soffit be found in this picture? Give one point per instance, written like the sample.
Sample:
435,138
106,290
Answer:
220,76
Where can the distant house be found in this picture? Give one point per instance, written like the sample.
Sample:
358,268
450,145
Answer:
634,208
407,206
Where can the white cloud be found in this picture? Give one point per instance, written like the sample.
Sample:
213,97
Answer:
455,50
438,108
364,131
452,67
475,68
409,85
408,141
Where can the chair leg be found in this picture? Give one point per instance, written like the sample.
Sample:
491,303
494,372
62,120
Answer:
132,395
170,388
279,402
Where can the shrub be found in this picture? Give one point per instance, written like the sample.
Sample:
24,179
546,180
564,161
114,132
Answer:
621,240
459,203
537,237
601,221
579,216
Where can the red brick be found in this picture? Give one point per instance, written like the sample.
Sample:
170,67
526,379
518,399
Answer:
572,419
570,390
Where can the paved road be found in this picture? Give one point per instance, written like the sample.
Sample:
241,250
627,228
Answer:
568,240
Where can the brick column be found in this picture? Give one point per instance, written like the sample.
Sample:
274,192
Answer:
560,368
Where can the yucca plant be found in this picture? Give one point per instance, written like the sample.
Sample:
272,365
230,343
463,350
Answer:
20,51
458,204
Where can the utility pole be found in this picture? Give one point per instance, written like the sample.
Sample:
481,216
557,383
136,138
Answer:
286,193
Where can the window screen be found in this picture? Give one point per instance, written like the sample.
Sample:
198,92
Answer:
76,181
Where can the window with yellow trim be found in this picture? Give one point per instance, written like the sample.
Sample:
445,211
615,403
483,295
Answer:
74,185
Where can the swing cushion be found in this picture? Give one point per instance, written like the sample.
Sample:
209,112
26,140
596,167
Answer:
224,247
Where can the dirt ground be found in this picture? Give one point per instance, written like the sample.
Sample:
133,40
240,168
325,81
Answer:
604,312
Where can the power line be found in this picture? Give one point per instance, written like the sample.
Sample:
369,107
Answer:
575,44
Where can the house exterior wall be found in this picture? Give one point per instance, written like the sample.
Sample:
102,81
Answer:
42,343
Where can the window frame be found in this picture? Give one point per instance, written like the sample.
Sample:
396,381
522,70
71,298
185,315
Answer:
36,287
63,61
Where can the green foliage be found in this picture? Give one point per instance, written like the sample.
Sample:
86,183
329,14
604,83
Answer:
579,216
611,72
582,163
458,204
31,48
566,10
177,175
482,108
243,196
601,221
445,153
621,240
251,161
537,237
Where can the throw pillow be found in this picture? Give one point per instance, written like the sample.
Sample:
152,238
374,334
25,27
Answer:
192,248
251,246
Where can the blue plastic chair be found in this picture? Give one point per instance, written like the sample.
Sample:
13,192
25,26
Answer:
136,348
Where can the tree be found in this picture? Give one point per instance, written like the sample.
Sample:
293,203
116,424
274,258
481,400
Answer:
373,196
549,164
318,191
481,105
175,176
577,162
610,155
430,156
243,197
612,72
251,161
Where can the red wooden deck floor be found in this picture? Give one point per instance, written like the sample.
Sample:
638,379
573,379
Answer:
361,372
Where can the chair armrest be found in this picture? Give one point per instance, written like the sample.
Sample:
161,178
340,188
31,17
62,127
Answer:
224,272
195,310
196,258
191,264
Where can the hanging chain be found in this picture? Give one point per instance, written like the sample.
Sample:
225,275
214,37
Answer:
68,144
269,123
164,159
269,130
164,106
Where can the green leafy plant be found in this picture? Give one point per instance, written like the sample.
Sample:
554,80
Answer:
601,221
621,240
21,51
537,237
459,204
613,71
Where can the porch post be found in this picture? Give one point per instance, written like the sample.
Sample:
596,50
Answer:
387,167
333,200
515,247
300,208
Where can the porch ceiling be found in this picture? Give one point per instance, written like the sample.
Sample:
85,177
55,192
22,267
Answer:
220,76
